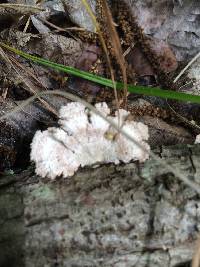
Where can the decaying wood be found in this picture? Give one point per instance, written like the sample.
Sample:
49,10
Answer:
128,215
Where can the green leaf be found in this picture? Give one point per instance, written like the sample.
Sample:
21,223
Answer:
150,91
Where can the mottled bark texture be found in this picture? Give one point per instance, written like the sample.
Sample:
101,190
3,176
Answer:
127,215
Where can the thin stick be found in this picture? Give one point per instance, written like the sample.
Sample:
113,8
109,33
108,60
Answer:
22,7
186,67
93,17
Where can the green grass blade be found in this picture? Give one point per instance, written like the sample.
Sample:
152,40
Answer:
149,91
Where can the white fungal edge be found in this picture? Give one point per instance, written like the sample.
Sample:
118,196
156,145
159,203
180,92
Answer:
82,140
197,141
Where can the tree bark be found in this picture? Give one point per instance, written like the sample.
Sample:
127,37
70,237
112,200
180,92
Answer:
126,215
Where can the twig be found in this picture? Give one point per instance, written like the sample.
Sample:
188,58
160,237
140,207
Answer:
22,7
186,67
93,17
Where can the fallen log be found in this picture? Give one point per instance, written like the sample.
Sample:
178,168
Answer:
126,215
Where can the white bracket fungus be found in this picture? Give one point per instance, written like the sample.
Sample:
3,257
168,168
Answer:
197,141
83,139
